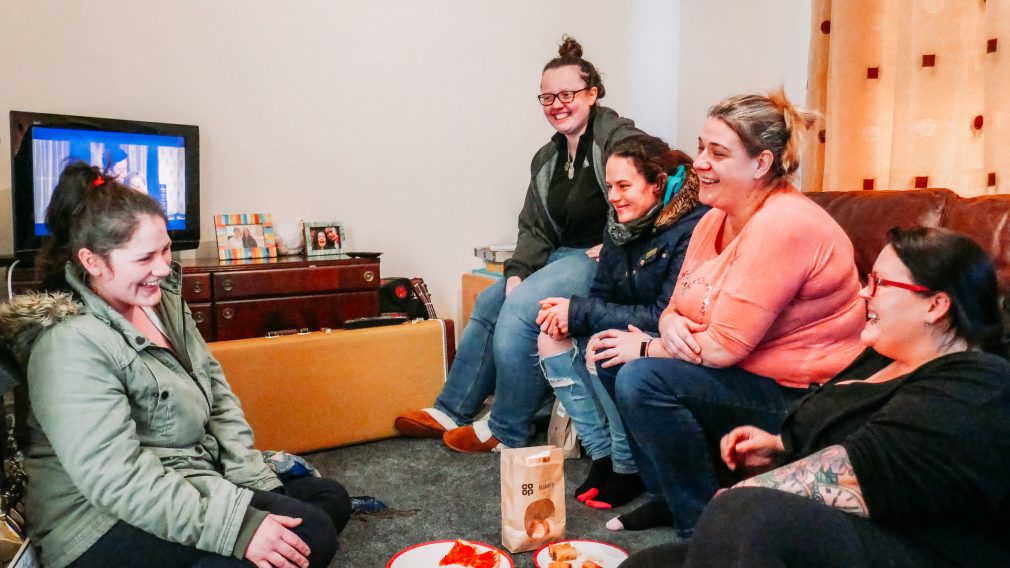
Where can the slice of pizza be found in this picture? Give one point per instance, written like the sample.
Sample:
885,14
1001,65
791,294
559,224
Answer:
462,553
487,559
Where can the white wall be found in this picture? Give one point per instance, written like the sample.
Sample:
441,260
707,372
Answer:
730,47
411,122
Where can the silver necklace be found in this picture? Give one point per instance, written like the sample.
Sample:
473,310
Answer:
570,166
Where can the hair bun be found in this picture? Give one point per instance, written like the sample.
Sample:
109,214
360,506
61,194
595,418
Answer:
797,121
570,48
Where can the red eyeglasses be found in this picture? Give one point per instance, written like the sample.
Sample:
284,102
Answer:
873,282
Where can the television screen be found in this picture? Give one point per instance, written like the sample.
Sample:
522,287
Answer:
159,159
149,163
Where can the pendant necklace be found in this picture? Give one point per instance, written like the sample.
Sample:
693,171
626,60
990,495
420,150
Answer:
570,166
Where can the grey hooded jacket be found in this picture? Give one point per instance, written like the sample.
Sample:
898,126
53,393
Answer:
121,429
539,235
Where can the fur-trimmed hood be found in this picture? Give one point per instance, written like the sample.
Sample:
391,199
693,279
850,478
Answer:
27,315
686,200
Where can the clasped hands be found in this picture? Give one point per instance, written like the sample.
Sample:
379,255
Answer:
677,334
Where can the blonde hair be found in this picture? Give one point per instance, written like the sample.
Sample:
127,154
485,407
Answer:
768,122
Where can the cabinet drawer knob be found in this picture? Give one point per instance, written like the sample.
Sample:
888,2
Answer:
197,287
198,317
227,313
369,276
227,285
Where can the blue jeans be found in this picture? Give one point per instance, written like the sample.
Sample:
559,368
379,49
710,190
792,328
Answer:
676,413
593,412
498,349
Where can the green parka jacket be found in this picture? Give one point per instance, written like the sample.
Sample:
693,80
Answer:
121,429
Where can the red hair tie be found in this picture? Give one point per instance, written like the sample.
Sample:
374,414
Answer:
98,181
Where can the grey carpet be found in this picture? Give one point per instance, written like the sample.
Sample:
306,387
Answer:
457,496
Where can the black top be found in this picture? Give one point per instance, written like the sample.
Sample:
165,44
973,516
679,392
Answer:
931,449
577,205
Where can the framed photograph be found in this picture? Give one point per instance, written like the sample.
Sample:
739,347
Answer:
245,235
323,237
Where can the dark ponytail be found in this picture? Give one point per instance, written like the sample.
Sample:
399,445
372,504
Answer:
652,157
570,53
89,210
947,261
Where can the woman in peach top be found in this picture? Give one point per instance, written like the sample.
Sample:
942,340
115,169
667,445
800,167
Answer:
765,307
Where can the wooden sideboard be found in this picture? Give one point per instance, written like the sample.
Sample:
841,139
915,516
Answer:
239,299
248,298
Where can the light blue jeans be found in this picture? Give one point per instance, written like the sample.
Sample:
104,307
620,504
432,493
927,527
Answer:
596,418
498,349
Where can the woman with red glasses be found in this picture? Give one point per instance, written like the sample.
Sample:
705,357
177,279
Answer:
561,229
902,458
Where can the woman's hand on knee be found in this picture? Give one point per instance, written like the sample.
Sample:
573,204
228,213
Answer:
594,252
273,545
616,347
677,333
511,284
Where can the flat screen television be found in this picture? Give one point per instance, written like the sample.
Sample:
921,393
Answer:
162,160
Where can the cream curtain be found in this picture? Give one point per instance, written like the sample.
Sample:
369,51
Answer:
915,93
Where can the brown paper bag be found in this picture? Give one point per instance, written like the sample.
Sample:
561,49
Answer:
532,497
561,432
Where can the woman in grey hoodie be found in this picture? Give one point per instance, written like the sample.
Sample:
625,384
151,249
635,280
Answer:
560,230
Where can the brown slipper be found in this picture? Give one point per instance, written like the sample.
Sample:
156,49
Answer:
465,440
418,424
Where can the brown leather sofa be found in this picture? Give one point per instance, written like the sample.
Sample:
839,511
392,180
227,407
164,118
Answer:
866,217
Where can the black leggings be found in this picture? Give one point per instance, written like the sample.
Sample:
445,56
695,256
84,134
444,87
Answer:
759,528
322,504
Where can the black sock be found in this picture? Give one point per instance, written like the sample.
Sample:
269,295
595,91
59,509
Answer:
620,489
599,472
650,515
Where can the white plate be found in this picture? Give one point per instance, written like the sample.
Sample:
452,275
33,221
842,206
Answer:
427,555
604,554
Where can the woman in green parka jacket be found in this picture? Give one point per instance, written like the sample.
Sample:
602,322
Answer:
138,451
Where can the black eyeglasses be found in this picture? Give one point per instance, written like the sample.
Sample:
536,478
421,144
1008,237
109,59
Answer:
873,282
547,99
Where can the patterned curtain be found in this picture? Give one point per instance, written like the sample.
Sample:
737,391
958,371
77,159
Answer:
915,94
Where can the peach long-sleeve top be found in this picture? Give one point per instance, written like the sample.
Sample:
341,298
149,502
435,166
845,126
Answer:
782,296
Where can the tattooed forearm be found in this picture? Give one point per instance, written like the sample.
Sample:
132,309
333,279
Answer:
826,477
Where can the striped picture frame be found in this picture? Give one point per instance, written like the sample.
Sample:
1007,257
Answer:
245,235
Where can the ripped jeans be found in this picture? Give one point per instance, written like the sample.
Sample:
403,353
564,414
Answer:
594,414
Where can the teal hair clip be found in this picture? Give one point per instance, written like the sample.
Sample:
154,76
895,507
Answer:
673,184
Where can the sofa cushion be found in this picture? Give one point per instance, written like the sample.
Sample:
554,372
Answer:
866,216
985,219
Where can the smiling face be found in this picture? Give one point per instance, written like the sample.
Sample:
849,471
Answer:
571,118
727,173
893,314
320,240
130,276
628,191
331,234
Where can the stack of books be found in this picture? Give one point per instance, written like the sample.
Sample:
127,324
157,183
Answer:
494,257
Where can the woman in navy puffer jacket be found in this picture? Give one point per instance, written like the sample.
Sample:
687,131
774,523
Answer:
654,192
